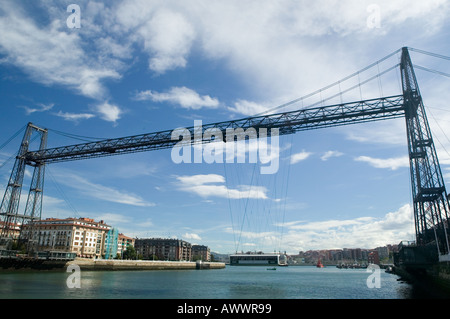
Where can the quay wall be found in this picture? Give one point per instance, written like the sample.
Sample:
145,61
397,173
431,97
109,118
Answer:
102,264
434,278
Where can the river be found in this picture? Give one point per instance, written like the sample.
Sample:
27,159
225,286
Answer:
232,282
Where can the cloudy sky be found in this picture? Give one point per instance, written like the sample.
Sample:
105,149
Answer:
89,70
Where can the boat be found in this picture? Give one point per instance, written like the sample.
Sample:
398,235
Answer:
319,264
271,268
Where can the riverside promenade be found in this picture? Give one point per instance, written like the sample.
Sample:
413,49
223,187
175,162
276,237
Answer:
105,264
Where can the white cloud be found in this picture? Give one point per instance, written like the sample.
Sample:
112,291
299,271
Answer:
163,31
183,96
392,132
168,37
391,163
439,119
274,45
211,185
41,108
298,157
50,54
192,236
447,175
109,112
322,225
361,232
276,48
330,154
101,192
114,219
145,223
247,108
74,116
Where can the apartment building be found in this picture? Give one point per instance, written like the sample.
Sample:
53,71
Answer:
374,258
201,252
10,230
123,243
163,249
83,236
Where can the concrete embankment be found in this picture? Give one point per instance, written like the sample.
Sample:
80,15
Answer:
102,264
435,279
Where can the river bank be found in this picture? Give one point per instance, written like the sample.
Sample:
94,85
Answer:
104,264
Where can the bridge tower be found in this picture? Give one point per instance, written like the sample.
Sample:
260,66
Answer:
431,205
9,209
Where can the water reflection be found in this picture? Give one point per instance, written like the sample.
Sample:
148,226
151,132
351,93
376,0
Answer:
230,283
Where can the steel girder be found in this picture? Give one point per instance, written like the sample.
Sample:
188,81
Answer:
287,123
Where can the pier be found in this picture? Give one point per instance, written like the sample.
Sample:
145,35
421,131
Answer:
50,260
29,263
105,264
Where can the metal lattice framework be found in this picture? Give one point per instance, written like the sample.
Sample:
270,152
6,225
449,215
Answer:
431,206
287,123
9,209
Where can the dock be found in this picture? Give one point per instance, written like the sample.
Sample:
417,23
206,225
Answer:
105,264
53,262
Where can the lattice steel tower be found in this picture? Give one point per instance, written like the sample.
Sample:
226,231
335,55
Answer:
9,209
431,206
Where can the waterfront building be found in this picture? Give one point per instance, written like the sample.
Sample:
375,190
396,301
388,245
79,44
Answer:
13,231
383,252
163,249
83,236
374,258
123,242
352,254
111,245
201,252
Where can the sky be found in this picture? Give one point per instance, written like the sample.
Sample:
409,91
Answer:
88,70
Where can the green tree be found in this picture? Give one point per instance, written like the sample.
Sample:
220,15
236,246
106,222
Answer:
17,245
130,253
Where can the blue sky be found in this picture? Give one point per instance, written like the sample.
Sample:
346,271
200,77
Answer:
135,67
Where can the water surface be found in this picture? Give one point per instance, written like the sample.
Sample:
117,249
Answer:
233,282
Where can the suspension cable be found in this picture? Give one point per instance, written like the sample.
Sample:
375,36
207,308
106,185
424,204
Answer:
430,53
13,137
77,137
431,70
357,85
59,189
330,85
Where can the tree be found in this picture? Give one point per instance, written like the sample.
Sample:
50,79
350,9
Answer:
17,245
130,253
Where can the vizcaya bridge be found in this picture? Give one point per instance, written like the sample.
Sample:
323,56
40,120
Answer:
430,199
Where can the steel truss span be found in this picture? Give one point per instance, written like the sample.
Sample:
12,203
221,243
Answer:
431,206
287,123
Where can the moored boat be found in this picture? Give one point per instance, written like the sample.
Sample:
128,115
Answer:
319,264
